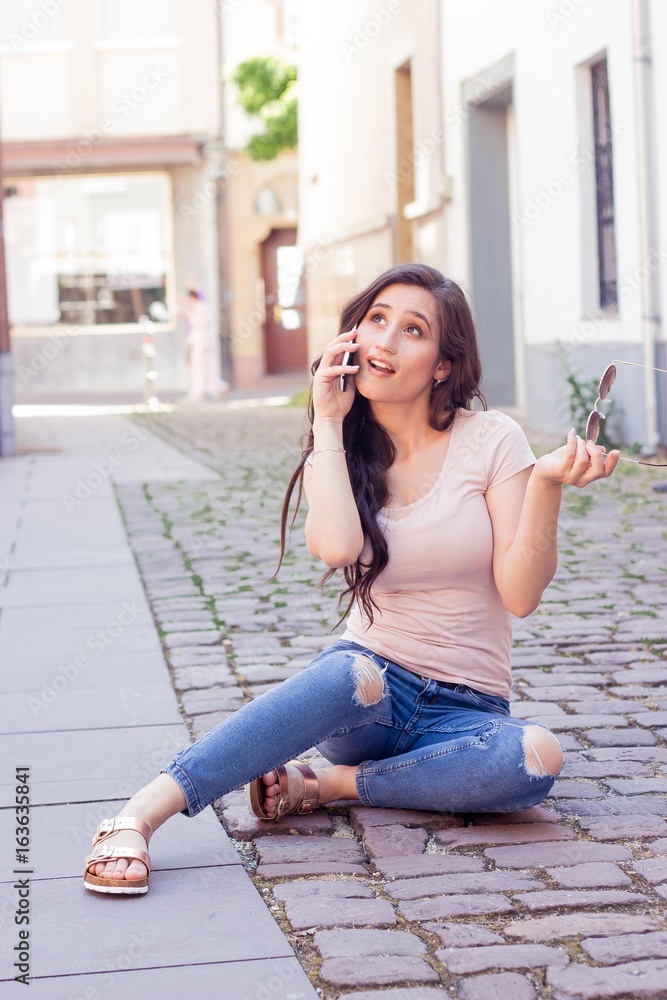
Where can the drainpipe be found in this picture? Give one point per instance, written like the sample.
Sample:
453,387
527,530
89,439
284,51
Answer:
222,211
648,211
7,439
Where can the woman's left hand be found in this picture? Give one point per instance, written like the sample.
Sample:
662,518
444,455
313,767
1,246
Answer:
577,463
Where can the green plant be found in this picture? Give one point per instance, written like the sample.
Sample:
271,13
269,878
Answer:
265,87
581,399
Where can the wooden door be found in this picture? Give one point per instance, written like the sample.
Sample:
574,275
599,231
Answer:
285,332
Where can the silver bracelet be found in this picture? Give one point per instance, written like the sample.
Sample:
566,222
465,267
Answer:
328,449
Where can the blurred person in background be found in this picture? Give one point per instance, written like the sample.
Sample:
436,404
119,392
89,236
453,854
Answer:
201,350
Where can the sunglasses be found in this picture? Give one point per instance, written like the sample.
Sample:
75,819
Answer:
595,418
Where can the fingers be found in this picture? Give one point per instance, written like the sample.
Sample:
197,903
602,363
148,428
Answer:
611,461
333,355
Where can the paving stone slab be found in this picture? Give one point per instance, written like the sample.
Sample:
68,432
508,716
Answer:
274,978
556,853
603,875
426,864
238,924
637,786
463,935
620,737
281,850
71,616
346,943
463,905
626,947
461,961
364,818
623,827
376,971
574,924
502,986
90,765
473,882
61,838
392,840
325,911
583,768
204,676
243,825
300,869
36,675
44,587
402,993
654,870
616,805
56,647
561,723
578,898
634,979
536,814
304,889
218,699
174,640
578,788
658,846
522,833
59,707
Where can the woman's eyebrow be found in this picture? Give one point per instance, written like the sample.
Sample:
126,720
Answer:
411,312
414,312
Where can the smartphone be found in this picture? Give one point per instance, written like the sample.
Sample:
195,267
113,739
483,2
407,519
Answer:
346,360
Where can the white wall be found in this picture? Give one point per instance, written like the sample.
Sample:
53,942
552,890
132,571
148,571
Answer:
349,52
54,89
556,248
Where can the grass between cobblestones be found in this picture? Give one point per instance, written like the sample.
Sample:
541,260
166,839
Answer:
590,664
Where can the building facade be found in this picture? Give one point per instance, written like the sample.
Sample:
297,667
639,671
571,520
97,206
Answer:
123,188
516,147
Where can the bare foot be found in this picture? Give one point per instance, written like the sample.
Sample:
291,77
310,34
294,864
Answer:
123,867
338,781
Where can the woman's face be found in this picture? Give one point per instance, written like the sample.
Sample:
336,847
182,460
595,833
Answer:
399,350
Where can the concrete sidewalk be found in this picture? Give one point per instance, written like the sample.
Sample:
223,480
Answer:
88,706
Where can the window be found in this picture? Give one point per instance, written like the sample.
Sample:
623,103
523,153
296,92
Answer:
602,130
88,251
126,23
35,27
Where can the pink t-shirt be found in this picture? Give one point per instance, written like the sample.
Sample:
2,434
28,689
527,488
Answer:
440,614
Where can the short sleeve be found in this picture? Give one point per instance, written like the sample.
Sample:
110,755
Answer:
505,449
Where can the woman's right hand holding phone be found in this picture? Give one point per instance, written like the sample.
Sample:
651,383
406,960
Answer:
329,400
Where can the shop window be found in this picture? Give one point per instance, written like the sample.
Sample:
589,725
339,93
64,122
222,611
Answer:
88,251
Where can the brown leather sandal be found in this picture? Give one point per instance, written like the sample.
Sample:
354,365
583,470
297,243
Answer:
305,803
106,852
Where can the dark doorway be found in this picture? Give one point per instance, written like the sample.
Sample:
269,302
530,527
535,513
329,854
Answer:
490,239
285,331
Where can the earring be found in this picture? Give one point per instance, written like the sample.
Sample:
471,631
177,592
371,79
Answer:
439,381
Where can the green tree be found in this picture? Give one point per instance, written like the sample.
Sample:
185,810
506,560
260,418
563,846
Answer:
265,86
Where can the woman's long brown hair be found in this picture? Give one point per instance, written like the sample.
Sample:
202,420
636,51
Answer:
369,449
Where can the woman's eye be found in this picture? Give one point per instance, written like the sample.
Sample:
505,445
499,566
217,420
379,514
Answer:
377,316
415,330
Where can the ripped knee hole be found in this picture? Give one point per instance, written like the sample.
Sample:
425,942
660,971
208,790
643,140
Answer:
369,680
542,752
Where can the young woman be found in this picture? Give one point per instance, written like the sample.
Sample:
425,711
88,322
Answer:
445,526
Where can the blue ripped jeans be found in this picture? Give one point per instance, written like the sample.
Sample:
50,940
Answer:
422,745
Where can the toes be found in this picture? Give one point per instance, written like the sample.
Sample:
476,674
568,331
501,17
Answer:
136,870
270,778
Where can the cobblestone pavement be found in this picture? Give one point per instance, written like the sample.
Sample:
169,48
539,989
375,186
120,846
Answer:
565,900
